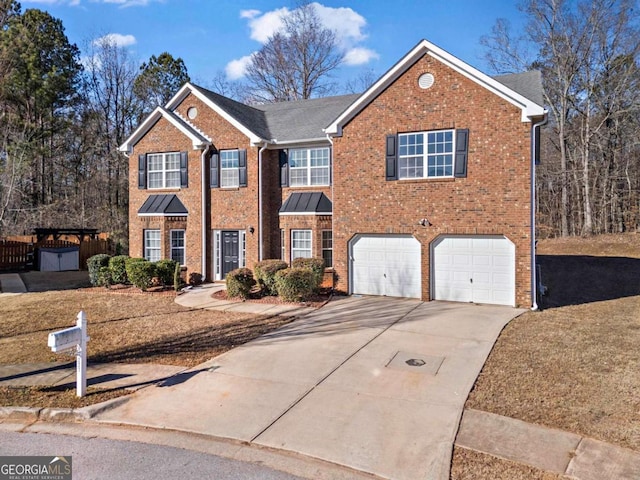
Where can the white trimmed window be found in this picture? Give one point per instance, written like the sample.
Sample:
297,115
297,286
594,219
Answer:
300,244
327,248
178,246
282,249
152,250
309,166
229,168
163,170
426,154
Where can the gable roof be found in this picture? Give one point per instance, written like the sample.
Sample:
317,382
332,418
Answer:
307,203
528,106
167,205
527,84
303,120
197,139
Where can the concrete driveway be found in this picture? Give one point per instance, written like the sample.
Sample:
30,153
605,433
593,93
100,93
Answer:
373,383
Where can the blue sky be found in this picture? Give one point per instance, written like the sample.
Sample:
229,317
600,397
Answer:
214,36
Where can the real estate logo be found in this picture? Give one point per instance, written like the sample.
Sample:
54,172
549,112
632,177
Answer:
35,468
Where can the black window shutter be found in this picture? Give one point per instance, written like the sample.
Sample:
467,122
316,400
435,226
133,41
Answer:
462,149
392,158
142,171
214,168
242,164
284,168
184,173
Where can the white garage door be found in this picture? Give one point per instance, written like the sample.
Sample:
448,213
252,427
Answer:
386,265
479,269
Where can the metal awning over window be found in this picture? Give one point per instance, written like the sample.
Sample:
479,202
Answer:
166,205
307,203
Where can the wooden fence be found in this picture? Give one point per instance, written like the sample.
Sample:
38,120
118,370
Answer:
21,253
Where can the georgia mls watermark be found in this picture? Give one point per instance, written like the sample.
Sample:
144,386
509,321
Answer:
35,468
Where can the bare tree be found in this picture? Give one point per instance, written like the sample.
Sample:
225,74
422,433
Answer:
295,63
363,81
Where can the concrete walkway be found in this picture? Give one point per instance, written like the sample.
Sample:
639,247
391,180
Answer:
11,284
103,375
374,384
200,297
545,448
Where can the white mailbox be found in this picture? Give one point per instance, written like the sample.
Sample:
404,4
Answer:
74,337
64,339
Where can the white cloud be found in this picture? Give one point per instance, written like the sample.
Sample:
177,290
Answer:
347,24
237,69
116,39
359,56
264,25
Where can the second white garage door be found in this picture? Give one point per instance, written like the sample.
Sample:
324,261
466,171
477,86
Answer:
479,269
386,265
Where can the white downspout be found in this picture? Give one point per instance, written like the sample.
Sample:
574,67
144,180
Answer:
260,236
203,210
534,280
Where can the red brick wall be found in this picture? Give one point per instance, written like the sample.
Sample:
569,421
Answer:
164,137
494,198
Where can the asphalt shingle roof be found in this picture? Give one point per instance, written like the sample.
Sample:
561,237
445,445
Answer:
305,119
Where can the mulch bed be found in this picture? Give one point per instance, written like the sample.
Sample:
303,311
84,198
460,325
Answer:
316,301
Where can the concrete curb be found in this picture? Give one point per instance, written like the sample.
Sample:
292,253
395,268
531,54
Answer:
57,415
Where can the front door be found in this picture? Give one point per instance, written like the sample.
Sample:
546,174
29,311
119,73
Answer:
230,251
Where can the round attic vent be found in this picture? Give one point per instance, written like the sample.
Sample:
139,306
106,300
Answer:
192,113
425,81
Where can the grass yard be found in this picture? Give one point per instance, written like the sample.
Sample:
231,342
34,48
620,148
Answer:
575,365
129,328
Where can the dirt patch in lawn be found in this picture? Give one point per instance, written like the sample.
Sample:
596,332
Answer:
123,328
576,364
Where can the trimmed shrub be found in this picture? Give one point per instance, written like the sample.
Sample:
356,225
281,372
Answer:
105,278
240,282
165,270
177,278
315,264
93,265
295,284
266,275
195,279
118,268
140,272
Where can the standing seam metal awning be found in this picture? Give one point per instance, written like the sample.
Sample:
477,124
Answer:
305,203
166,205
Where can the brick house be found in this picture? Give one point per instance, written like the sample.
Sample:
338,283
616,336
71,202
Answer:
422,186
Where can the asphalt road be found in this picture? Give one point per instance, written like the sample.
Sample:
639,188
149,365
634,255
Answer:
98,458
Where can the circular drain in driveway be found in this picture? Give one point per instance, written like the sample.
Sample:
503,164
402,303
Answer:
415,362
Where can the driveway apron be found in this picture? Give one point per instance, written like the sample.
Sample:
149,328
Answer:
373,383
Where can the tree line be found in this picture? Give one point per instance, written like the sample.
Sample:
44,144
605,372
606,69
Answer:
587,51
63,115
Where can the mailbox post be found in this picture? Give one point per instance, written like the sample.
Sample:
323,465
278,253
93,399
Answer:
74,337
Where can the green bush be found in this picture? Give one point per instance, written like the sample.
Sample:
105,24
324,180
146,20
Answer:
117,266
295,284
165,270
266,275
315,264
240,282
195,279
177,278
105,278
93,265
140,272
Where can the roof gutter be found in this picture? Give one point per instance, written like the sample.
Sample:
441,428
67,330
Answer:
534,279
